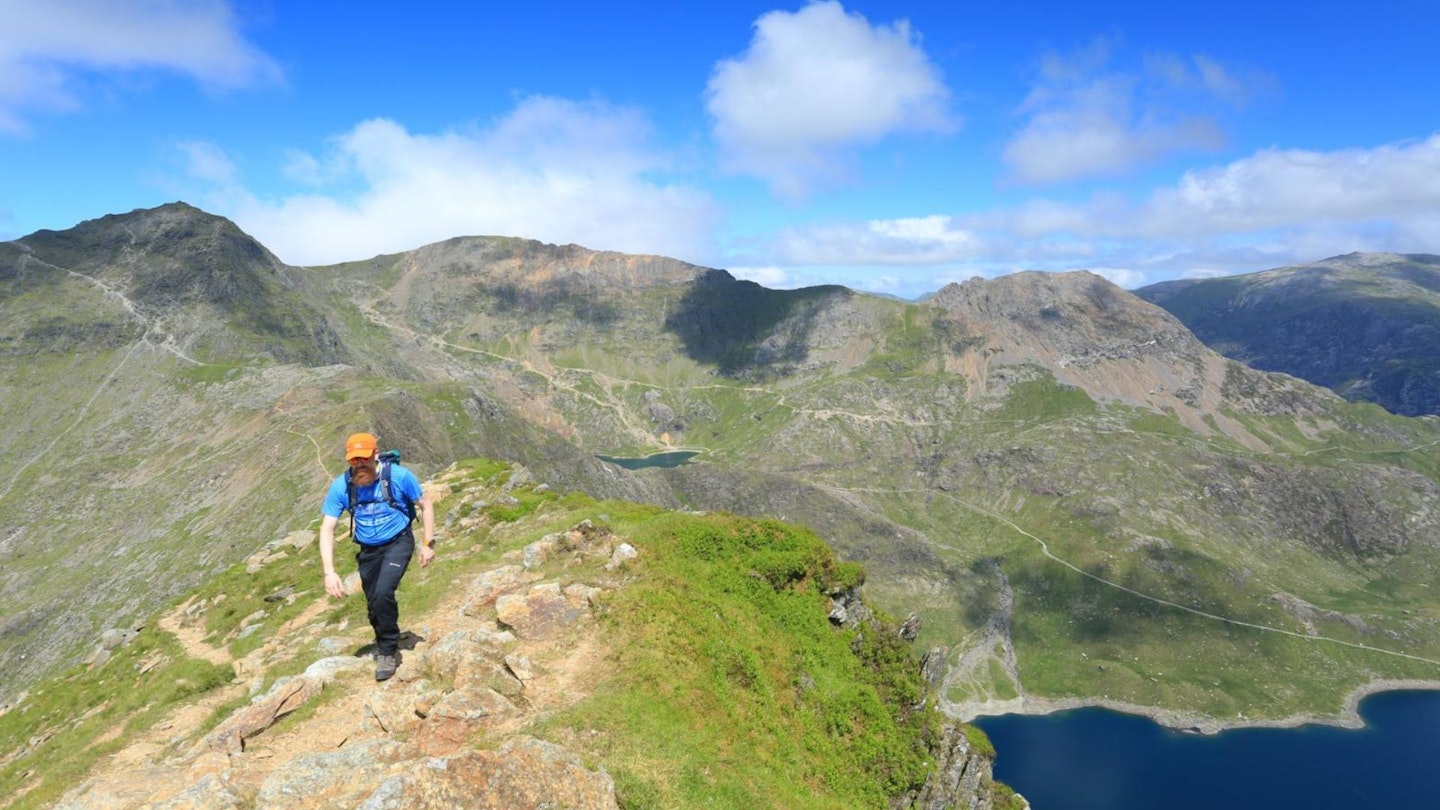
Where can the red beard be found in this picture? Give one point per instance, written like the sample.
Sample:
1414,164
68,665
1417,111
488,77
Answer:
363,474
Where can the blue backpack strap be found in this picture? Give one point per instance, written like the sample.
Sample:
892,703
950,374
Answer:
350,501
407,508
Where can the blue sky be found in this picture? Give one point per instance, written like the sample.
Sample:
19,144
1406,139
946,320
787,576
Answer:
892,147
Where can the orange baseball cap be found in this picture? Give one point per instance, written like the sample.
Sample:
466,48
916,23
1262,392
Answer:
361,445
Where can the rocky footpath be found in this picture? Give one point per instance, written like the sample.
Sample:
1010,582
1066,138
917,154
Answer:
507,649
456,725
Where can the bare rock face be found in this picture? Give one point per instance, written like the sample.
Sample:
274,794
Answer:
458,715
964,778
540,613
525,774
1109,343
342,778
493,584
284,697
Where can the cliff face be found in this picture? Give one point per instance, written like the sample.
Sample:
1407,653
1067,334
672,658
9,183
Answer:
535,666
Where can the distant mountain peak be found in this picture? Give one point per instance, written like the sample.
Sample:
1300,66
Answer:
535,265
1366,325
177,265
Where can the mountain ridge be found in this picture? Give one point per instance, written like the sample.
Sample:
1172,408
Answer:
527,645
1365,325
913,436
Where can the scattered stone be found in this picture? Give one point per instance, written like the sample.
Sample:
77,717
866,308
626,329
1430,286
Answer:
491,585
519,666
623,554
932,666
116,637
330,645
525,773
342,778
910,628
281,594
399,711
133,788
520,475
287,695
326,669
457,716
391,795
210,762
582,596
462,657
300,539
539,551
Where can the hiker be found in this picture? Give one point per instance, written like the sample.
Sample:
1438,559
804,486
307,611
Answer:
382,498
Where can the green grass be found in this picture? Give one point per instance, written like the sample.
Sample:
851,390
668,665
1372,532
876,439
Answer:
56,732
731,689
1044,400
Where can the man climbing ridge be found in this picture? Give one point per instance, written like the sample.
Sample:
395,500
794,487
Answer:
382,498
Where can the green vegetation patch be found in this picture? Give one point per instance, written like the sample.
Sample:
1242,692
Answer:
1044,400
729,686
68,723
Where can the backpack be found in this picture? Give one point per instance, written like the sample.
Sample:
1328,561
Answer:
403,505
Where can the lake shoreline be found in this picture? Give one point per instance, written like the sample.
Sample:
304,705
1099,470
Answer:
1349,716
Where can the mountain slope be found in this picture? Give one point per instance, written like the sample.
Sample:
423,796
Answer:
1365,325
1075,494
559,651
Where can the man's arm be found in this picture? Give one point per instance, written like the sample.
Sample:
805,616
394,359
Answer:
333,584
427,519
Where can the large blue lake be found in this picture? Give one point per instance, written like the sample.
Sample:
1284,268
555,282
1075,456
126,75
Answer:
1092,759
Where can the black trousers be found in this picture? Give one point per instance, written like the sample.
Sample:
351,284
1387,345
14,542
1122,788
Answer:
381,568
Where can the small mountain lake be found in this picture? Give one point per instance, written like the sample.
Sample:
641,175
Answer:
1089,759
672,459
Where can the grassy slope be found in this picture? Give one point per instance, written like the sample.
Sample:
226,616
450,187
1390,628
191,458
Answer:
727,686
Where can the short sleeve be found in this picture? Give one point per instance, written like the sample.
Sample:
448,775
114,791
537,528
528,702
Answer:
411,486
337,499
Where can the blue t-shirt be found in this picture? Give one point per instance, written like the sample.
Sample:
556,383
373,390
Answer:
376,521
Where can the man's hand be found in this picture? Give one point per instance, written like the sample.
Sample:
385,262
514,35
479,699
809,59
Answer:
426,555
334,586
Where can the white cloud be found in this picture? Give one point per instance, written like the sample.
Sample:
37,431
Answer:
815,84
206,161
554,170
1365,194
907,241
1087,120
1120,276
45,45
776,278
1290,187
1272,208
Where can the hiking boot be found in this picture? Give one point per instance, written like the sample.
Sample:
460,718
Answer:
385,666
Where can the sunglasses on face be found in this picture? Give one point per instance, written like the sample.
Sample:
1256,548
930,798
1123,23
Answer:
355,462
